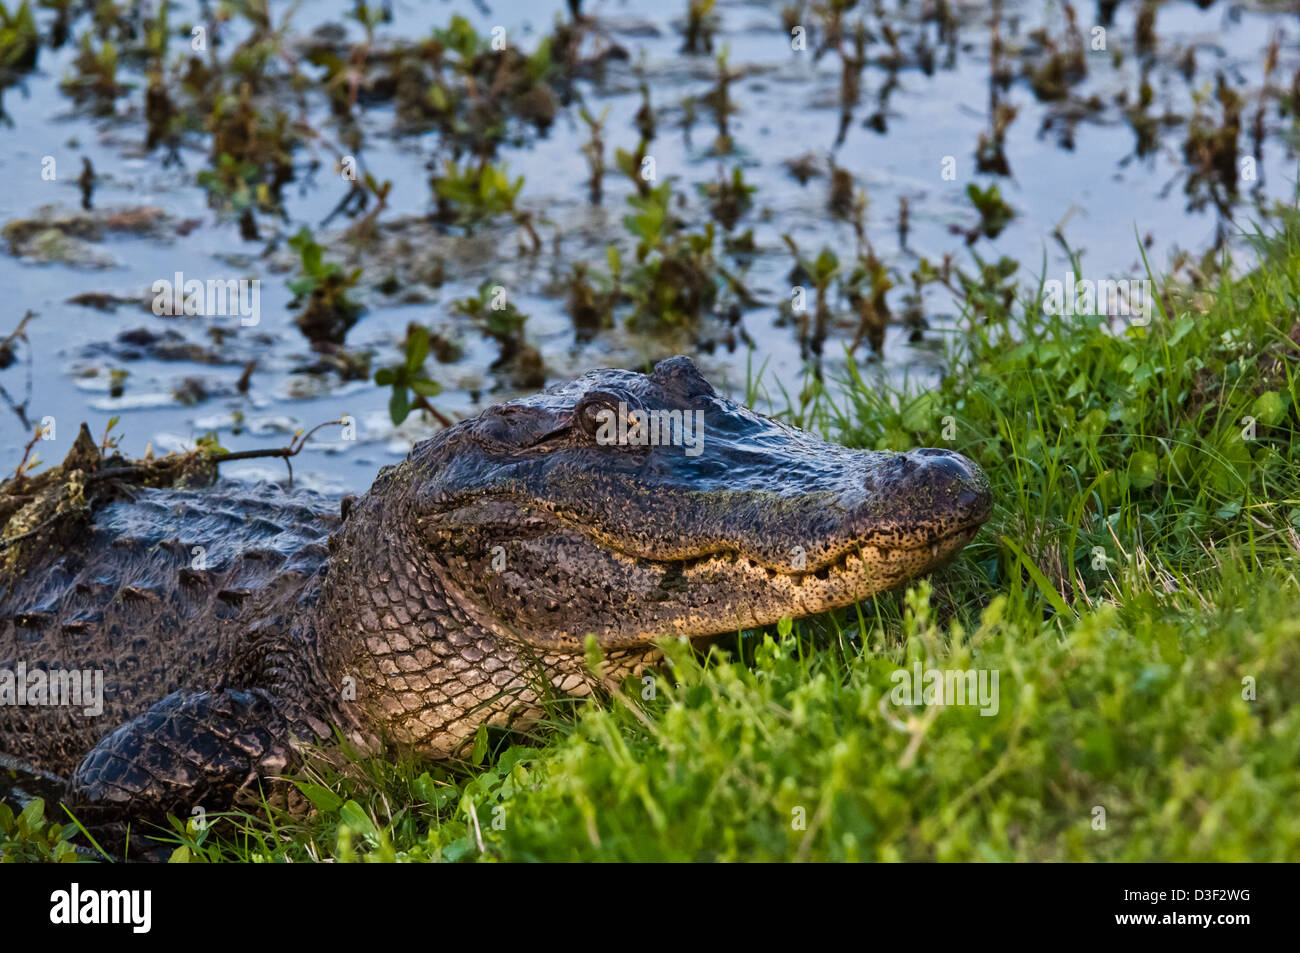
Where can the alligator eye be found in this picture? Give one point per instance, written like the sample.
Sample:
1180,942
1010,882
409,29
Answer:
597,408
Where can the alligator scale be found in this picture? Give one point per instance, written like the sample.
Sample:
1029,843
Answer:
459,590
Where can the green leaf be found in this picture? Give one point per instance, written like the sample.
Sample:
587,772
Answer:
354,817
457,849
322,798
417,347
1142,469
436,795
1229,510
1230,464
1180,329
480,746
1044,586
399,405
425,387
918,416
32,814
311,258
1269,408
825,266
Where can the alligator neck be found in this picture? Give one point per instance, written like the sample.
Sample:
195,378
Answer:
414,664
421,663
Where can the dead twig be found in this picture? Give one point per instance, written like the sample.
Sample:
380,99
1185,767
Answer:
295,446
292,450
7,358
27,451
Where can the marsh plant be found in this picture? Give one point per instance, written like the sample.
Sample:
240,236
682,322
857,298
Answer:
729,198
321,293
594,151
495,315
95,83
674,279
473,195
410,385
995,214
20,41
252,154
701,24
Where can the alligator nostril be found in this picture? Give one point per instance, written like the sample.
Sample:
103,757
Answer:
954,482
942,462
905,463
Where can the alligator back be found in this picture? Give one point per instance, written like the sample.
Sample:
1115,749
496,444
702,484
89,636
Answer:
166,590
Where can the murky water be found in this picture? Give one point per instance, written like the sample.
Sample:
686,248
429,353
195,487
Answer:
1071,162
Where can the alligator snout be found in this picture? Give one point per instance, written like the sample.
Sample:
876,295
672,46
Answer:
946,475
923,494
952,476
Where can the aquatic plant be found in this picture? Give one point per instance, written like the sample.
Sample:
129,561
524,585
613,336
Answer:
1211,151
95,80
411,387
252,153
473,89
866,287
719,100
472,195
594,151
675,278
728,199
701,24
20,40
321,291
994,213
591,303
495,314
820,272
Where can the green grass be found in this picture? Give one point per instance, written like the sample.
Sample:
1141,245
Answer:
1135,590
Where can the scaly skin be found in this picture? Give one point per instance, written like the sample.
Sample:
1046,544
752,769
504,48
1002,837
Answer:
459,590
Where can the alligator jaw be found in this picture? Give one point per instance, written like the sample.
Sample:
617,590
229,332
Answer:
865,570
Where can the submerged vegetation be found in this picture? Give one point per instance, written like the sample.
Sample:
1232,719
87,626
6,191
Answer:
690,260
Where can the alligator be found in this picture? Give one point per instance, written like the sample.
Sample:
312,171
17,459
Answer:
236,628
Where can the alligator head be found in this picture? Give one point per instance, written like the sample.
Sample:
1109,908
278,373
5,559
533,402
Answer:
633,506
